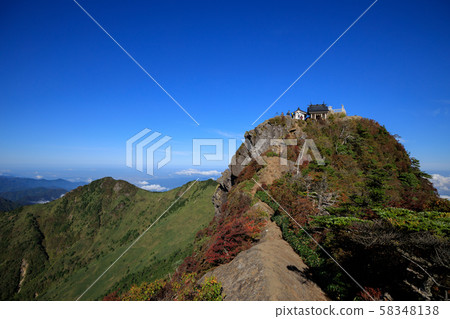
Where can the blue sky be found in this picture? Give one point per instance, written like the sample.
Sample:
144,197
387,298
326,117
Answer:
70,98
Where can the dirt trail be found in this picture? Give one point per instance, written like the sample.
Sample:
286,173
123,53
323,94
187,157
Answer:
270,270
271,172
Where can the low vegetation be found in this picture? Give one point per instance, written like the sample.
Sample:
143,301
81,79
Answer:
182,288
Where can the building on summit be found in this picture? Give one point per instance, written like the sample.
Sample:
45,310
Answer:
316,112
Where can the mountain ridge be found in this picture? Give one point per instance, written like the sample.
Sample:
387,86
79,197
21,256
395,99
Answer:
69,242
369,206
28,191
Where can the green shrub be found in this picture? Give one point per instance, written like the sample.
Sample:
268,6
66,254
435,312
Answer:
434,222
329,221
299,241
211,290
266,199
272,154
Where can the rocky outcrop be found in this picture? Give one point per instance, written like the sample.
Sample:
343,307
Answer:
23,273
221,194
276,128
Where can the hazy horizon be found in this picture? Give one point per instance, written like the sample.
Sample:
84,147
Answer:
72,97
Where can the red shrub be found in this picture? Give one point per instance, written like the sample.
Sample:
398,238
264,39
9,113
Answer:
249,171
232,237
189,265
113,296
375,293
299,207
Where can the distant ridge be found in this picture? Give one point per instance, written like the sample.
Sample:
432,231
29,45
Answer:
56,250
7,205
11,183
27,191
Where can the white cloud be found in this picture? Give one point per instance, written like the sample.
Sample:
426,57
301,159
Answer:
143,183
39,176
89,180
41,202
192,171
237,136
442,183
154,188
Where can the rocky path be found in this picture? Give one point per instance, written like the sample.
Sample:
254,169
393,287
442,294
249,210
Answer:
270,270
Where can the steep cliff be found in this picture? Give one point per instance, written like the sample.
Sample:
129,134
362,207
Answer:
261,136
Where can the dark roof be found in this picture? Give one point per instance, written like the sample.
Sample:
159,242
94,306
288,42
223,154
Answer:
298,109
314,108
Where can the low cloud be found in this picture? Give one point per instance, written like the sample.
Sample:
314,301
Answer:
192,171
442,184
441,111
154,188
142,183
41,202
39,176
237,136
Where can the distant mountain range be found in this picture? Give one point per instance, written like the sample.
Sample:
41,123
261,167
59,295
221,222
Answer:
7,205
27,191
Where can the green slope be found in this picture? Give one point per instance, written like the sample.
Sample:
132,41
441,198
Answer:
63,246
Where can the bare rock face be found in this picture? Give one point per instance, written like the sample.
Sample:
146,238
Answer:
221,194
270,270
276,128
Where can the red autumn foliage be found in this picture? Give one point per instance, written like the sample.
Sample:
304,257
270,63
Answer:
113,296
374,293
231,238
293,152
299,207
189,265
248,172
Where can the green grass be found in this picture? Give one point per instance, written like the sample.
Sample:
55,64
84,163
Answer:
84,233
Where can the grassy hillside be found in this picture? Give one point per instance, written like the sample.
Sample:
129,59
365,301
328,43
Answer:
55,251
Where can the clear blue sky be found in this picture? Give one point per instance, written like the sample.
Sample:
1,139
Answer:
70,98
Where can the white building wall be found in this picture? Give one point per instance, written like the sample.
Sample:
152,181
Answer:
299,115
